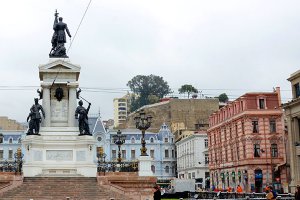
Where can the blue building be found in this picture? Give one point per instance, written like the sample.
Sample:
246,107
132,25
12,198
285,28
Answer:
10,141
160,147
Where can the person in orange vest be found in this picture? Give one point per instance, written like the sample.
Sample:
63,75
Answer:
239,189
229,189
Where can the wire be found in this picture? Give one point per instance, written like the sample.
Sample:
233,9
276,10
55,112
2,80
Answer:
73,39
79,24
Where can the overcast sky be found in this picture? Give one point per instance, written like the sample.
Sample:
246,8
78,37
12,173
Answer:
216,45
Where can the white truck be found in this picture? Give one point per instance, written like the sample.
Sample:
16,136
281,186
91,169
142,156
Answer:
181,185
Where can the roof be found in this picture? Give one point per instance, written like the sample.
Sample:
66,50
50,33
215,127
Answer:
96,125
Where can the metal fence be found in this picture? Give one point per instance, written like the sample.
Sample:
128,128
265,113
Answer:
10,166
117,167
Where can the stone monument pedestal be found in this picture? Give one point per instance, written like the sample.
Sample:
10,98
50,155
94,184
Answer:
60,152
145,166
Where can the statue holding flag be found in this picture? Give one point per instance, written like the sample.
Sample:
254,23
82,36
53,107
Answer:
59,38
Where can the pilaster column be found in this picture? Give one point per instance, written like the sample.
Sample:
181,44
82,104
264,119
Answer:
46,104
72,103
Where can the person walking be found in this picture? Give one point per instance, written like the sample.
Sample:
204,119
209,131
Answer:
297,193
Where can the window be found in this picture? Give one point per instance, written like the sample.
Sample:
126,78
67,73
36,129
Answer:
166,153
166,140
297,90
238,152
255,126
19,140
244,151
206,143
10,154
1,138
256,150
272,126
274,150
1,154
153,168
226,155
10,141
232,158
132,140
206,159
261,103
236,130
99,139
152,153
193,175
167,169
151,140
124,154
230,132
113,154
132,154
173,153
243,128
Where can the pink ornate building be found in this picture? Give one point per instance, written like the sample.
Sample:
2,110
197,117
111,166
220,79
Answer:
247,143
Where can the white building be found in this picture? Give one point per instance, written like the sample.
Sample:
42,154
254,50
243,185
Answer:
192,158
120,111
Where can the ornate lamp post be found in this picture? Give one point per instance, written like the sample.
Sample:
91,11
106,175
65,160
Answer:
101,159
18,160
119,139
143,122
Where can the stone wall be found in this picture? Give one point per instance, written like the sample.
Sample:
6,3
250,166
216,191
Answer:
178,114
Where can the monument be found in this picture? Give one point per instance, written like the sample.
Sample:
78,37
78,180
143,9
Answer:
55,144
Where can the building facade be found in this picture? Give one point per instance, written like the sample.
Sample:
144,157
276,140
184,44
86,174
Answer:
292,112
193,159
160,147
247,143
120,111
10,124
10,141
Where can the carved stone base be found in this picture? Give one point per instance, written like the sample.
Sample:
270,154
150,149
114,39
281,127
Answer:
61,153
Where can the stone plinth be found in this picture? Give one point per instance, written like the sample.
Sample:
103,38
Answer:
129,184
145,166
59,153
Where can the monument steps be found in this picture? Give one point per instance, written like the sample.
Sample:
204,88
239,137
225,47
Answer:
59,188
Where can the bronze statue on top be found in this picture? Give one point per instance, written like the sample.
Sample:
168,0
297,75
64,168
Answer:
59,38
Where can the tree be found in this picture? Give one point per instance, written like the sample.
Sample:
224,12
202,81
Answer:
144,86
223,98
187,89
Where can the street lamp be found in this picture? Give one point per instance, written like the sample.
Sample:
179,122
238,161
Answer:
101,160
119,139
143,122
18,160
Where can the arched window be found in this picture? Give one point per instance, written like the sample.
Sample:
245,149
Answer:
152,140
167,169
1,138
153,168
19,140
10,141
132,140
